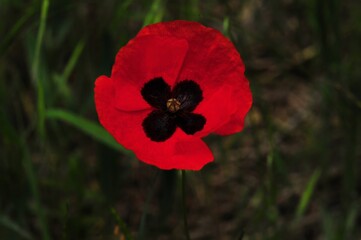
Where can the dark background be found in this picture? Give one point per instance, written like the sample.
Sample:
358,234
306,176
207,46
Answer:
293,173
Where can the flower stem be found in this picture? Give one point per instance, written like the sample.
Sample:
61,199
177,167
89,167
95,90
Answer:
186,230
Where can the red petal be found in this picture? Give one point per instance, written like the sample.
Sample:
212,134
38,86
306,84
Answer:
141,60
230,103
181,151
210,55
236,122
214,63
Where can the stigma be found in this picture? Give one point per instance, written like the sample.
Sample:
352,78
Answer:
173,105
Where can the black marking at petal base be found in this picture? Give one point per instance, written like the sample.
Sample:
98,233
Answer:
156,92
189,94
159,125
190,123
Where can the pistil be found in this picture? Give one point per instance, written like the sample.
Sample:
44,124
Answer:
173,105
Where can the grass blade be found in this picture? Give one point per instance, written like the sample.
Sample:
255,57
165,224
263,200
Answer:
306,196
155,13
73,60
225,28
35,69
62,80
88,127
8,223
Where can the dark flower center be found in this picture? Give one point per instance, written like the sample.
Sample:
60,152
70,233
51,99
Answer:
173,108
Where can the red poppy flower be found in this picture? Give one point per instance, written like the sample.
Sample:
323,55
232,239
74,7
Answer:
171,85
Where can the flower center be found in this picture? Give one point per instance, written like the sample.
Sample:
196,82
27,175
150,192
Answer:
173,105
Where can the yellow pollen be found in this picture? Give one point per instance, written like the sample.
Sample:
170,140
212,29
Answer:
173,105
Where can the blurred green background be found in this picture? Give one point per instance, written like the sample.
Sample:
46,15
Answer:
293,173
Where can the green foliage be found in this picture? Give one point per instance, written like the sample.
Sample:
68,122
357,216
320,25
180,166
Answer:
307,193
88,127
35,69
155,13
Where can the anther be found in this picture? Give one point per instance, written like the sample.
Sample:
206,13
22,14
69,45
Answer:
173,105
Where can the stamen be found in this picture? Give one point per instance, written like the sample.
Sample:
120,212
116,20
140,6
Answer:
173,105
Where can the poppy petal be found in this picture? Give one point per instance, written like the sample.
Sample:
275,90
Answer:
219,107
156,92
236,120
188,93
233,126
210,55
125,127
181,151
213,62
190,123
159,126
104,93
141,60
